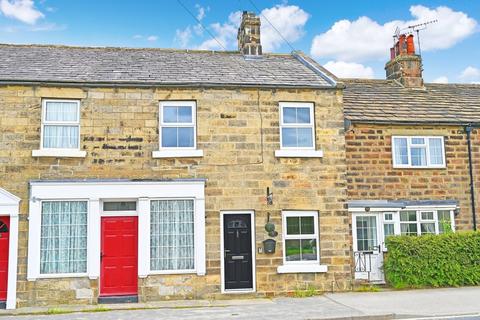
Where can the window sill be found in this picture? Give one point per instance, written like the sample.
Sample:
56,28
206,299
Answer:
59,153
419,167
302,268
299,153
177,153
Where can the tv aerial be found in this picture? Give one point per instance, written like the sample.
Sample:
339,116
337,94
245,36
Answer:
416,28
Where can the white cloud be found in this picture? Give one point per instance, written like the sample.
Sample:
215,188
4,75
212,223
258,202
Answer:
365,39
344,69
201,11
225,33
183,37
442,79
470,74
137,36
23,10
288,20
152,38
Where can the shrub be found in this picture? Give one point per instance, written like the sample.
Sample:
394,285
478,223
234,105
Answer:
450,259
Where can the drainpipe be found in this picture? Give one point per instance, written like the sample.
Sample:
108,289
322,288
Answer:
468,130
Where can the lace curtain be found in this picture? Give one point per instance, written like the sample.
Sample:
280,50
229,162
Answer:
63,244
172,235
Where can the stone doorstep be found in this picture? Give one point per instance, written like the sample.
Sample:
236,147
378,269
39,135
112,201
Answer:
174,304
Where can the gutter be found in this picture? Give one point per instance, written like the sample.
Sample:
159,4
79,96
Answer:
468,130
426,123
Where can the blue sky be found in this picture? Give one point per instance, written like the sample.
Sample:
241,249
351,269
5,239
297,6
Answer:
351,38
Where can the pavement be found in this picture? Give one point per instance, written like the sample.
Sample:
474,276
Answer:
451,303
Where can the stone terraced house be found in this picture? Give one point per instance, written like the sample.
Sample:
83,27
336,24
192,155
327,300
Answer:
142,174
413,157
150,174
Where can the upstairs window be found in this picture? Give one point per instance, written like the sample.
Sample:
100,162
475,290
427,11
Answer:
60,124
418,152
177,125
297,130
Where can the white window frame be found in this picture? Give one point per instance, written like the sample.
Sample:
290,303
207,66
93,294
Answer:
300,266
195,249
427,150
59,152
168,152
61,275
298,152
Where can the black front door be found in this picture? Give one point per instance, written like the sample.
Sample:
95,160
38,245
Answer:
237,255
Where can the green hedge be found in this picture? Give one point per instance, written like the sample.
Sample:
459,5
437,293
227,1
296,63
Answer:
451,259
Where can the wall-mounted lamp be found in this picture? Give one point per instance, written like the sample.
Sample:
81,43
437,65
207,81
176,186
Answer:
456,212
269,197
367,209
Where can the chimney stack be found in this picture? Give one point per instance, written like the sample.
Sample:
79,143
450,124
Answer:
405,66
249,35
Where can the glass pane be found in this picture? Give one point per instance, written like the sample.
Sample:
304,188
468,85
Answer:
418,140
293,225
444,222
120,206
169,137
401,151
388,217
185,137
296,115
408,229
307,225
408,216
60,137
173,114
427,228
297,137
309,249
172,235
366,233
388,229
427,215
185,114
418,156
303,115
289,115
169,114
304,138
289,137
63,242
292,250
435,148
61,111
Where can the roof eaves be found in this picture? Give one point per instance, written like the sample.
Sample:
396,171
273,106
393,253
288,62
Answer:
145,84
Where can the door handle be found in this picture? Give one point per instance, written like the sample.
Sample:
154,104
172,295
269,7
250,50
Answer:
102,255
225,253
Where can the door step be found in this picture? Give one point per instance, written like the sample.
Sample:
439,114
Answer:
118,299
3,305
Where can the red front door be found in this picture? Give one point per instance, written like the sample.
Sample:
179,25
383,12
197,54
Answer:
4,236
119,275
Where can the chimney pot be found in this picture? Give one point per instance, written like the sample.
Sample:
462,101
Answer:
249,35
404,65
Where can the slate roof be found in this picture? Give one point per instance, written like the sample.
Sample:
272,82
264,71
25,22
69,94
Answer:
385,101
62,64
